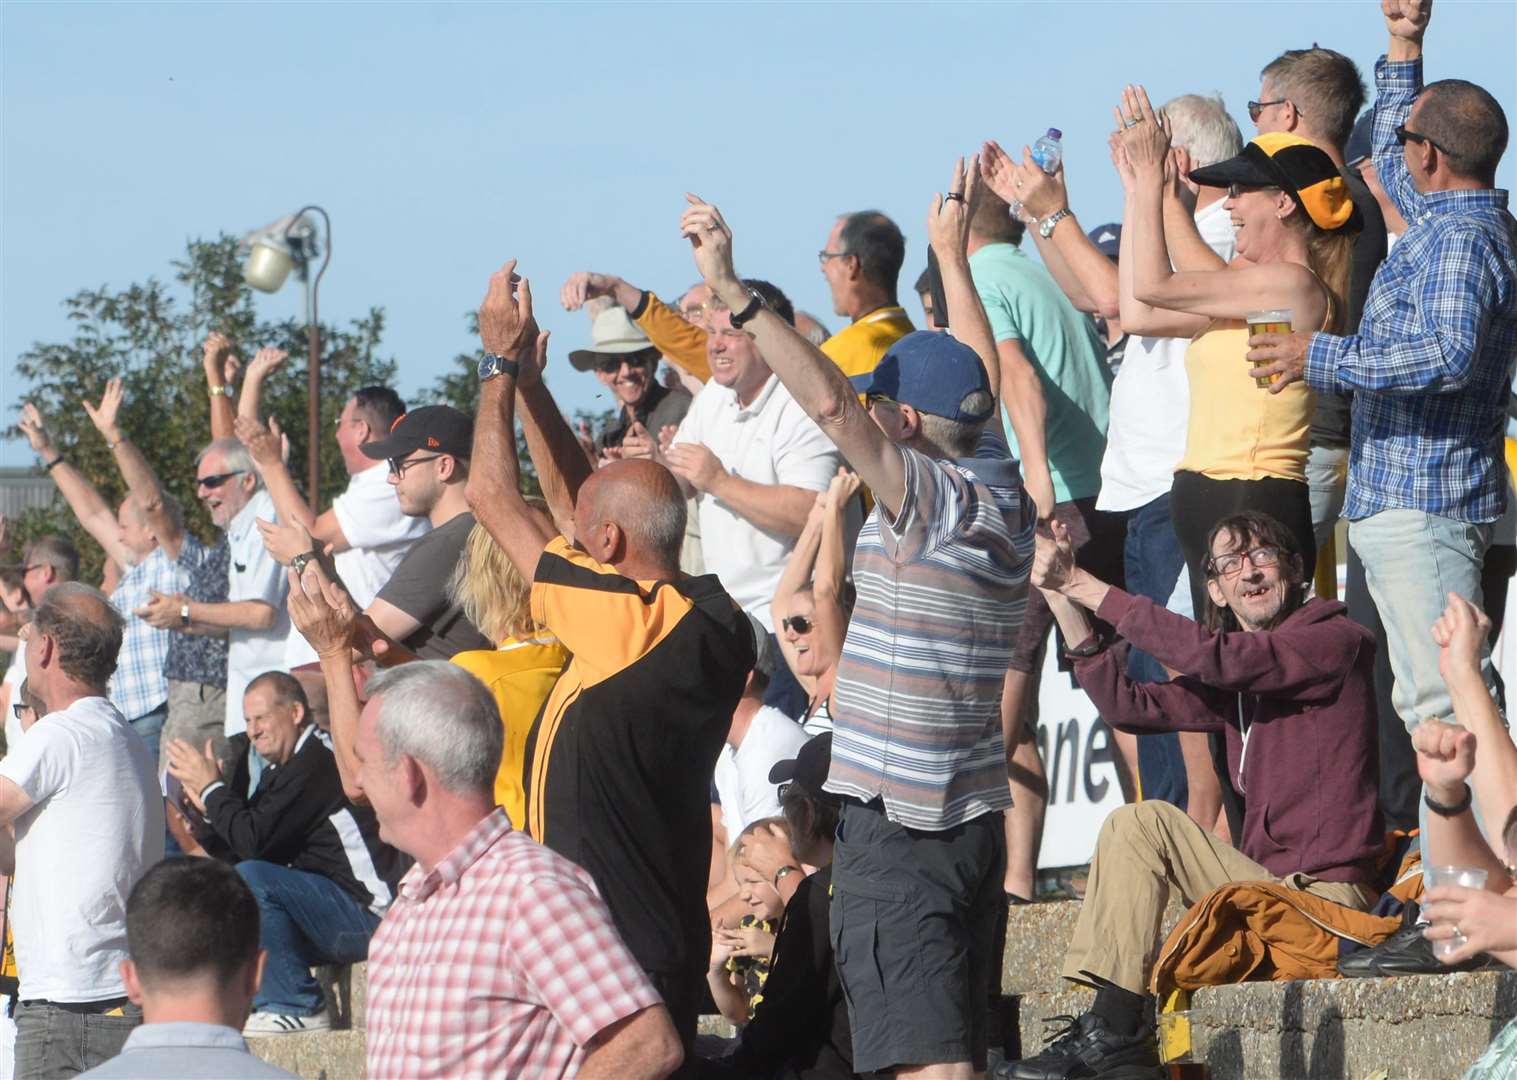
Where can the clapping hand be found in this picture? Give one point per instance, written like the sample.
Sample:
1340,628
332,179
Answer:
1053,562
745,941
637,443
326,616
1461,634
1144,133
951,214
696,465
103,416
265,361
843,487
1039,193
162,611
506,325
195,769
284,542
711,240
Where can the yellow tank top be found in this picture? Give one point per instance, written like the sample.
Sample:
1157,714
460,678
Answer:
1237,430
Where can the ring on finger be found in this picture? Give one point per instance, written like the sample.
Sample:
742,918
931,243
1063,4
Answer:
1133,122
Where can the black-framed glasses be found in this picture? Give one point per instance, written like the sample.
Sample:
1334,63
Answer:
801,624
20,709
824,255
1231,564
610,365
1236,190
214,482
1404,136
873,398
1257,107
398,466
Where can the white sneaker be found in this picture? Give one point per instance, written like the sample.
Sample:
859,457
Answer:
267,1023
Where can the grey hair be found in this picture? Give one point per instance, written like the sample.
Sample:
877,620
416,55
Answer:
957,438
1200,124
443,717
236,456
88,635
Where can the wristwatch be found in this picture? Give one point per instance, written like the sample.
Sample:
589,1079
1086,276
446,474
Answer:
184,613
491,365
1046,226
755,305
220,391
301,561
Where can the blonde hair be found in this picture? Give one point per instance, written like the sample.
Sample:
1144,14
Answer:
1330,256
487,586
755,826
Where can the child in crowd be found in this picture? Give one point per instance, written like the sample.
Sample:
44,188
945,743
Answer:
740,956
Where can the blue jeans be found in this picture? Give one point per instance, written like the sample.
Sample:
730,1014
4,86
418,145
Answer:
1153,561
150,726
303,919
1412,561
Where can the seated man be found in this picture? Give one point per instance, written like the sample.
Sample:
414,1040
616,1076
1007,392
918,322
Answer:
314,860
1295,687
194,964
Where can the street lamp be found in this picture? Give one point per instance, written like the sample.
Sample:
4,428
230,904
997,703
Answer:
290,243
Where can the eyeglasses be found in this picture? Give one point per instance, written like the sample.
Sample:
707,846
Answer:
610,365
873,399
799,623
398,466
823,256
20,709
1403,136
214,482
1236,190
1257,107
1231,564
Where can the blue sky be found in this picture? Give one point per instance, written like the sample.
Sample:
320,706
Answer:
444,139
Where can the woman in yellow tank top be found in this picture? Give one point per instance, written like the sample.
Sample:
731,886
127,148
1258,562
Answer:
522,669
1246,443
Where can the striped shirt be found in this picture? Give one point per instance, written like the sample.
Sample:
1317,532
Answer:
1430,367
139,685
941,591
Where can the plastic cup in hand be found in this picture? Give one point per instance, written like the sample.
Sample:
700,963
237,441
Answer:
1468,876
1268,322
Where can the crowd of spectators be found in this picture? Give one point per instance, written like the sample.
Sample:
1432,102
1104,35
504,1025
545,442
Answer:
740,716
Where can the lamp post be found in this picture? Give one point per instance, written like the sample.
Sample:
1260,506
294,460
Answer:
272,254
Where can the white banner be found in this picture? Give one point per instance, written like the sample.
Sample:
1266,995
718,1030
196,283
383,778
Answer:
1078,753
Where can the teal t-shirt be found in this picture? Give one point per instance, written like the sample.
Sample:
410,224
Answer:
1024,303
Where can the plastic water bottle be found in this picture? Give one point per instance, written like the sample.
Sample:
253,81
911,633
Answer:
1048,151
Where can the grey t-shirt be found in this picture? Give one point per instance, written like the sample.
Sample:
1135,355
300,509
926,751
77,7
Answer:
419,587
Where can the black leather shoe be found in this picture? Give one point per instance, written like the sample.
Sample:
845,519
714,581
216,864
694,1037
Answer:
1406,952
1087,1048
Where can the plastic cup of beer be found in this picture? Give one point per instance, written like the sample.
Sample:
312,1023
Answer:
1277,321
1468,876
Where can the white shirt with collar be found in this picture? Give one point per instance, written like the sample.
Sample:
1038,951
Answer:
253,574
379,534
771,441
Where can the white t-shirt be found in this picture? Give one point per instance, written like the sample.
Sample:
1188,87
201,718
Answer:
379,535
772,441
253,575
15,675
1150,401
96,827
742,775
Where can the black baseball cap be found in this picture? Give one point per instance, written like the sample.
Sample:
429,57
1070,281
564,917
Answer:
1293,164
439,428
808,768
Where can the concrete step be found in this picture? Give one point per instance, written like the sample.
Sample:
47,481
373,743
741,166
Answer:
1427,1027
320,1055
1037,936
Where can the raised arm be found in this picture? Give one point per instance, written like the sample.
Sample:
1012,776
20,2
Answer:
326,616
93,512
678,340
220,367
265,362
1461,633
832,570
507,329
1188,249
1398,81
141,482
796,576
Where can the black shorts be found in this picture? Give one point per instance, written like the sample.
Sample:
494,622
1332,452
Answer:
913,927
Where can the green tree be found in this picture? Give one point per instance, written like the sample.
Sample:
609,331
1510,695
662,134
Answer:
150,334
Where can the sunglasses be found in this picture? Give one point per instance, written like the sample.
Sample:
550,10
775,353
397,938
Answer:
1257,107
214,482
801,624
610,365
1231,564
398,466
1404,136
1236,190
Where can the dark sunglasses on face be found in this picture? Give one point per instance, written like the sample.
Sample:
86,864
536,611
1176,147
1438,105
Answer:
799,623
1257,107
1404,136
1232,563
214,482
398,466
1236,190
610,365
21,709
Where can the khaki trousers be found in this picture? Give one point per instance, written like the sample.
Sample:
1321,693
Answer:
1146,851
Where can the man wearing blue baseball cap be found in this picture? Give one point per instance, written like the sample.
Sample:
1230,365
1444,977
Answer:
941,568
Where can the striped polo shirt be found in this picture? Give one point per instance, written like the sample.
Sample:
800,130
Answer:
941,592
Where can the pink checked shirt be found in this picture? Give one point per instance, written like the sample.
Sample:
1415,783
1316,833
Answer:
500,962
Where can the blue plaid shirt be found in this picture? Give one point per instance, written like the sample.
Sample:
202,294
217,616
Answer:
139,685
1430,367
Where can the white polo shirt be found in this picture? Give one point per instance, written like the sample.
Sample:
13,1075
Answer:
742,773
1150,401
252,574
95,827
379,535
772,441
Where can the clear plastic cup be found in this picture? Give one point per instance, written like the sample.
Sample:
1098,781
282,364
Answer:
1471,878
1277,321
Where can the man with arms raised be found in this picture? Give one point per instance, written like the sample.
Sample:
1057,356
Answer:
917,747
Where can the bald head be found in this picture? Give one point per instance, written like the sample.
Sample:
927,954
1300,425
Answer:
644,501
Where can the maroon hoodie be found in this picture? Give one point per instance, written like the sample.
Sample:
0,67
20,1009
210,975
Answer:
1304,694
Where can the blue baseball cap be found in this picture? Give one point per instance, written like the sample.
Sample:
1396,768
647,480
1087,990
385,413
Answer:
1361,141
1107,238
933,373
